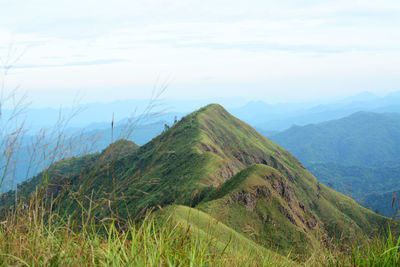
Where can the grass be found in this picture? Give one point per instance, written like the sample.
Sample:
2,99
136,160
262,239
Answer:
177,236
263,220
381,251
225,239
35,236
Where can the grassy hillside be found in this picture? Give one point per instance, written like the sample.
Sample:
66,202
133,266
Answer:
214,162
205,227
260,203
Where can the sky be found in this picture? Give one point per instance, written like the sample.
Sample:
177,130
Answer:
276,51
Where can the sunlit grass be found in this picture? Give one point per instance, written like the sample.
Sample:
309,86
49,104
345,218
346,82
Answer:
34,236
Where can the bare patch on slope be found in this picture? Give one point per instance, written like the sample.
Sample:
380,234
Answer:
279,189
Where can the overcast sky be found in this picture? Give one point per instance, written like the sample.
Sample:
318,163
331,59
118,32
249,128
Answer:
284,50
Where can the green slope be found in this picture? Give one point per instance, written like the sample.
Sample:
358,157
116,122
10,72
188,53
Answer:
207,228
266,206
208,159
259,202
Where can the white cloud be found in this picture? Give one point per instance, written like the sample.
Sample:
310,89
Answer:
281,43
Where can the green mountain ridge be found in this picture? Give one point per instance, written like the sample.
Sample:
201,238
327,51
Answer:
218,164
259,201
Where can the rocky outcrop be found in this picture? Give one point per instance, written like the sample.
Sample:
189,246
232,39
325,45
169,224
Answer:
284,190
290,206
289,215
210,148
250,197
226,172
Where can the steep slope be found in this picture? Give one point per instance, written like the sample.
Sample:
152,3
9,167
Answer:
213,161
260,203
227,240
263,204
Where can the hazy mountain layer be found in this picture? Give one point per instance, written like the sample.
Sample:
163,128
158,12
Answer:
360,139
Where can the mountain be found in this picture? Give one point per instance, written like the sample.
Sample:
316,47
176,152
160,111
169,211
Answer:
363,138
214,163
66,171
372,186
264,116
361,97
357,155
385,201
93,121
269,118
36,152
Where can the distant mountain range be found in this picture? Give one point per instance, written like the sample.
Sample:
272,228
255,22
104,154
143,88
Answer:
92,116
272,118
265,117
358,155
213,166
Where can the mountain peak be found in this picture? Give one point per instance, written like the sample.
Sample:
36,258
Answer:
119,149
212,108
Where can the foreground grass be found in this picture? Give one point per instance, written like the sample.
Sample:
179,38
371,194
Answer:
381,251
31,237
35,237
